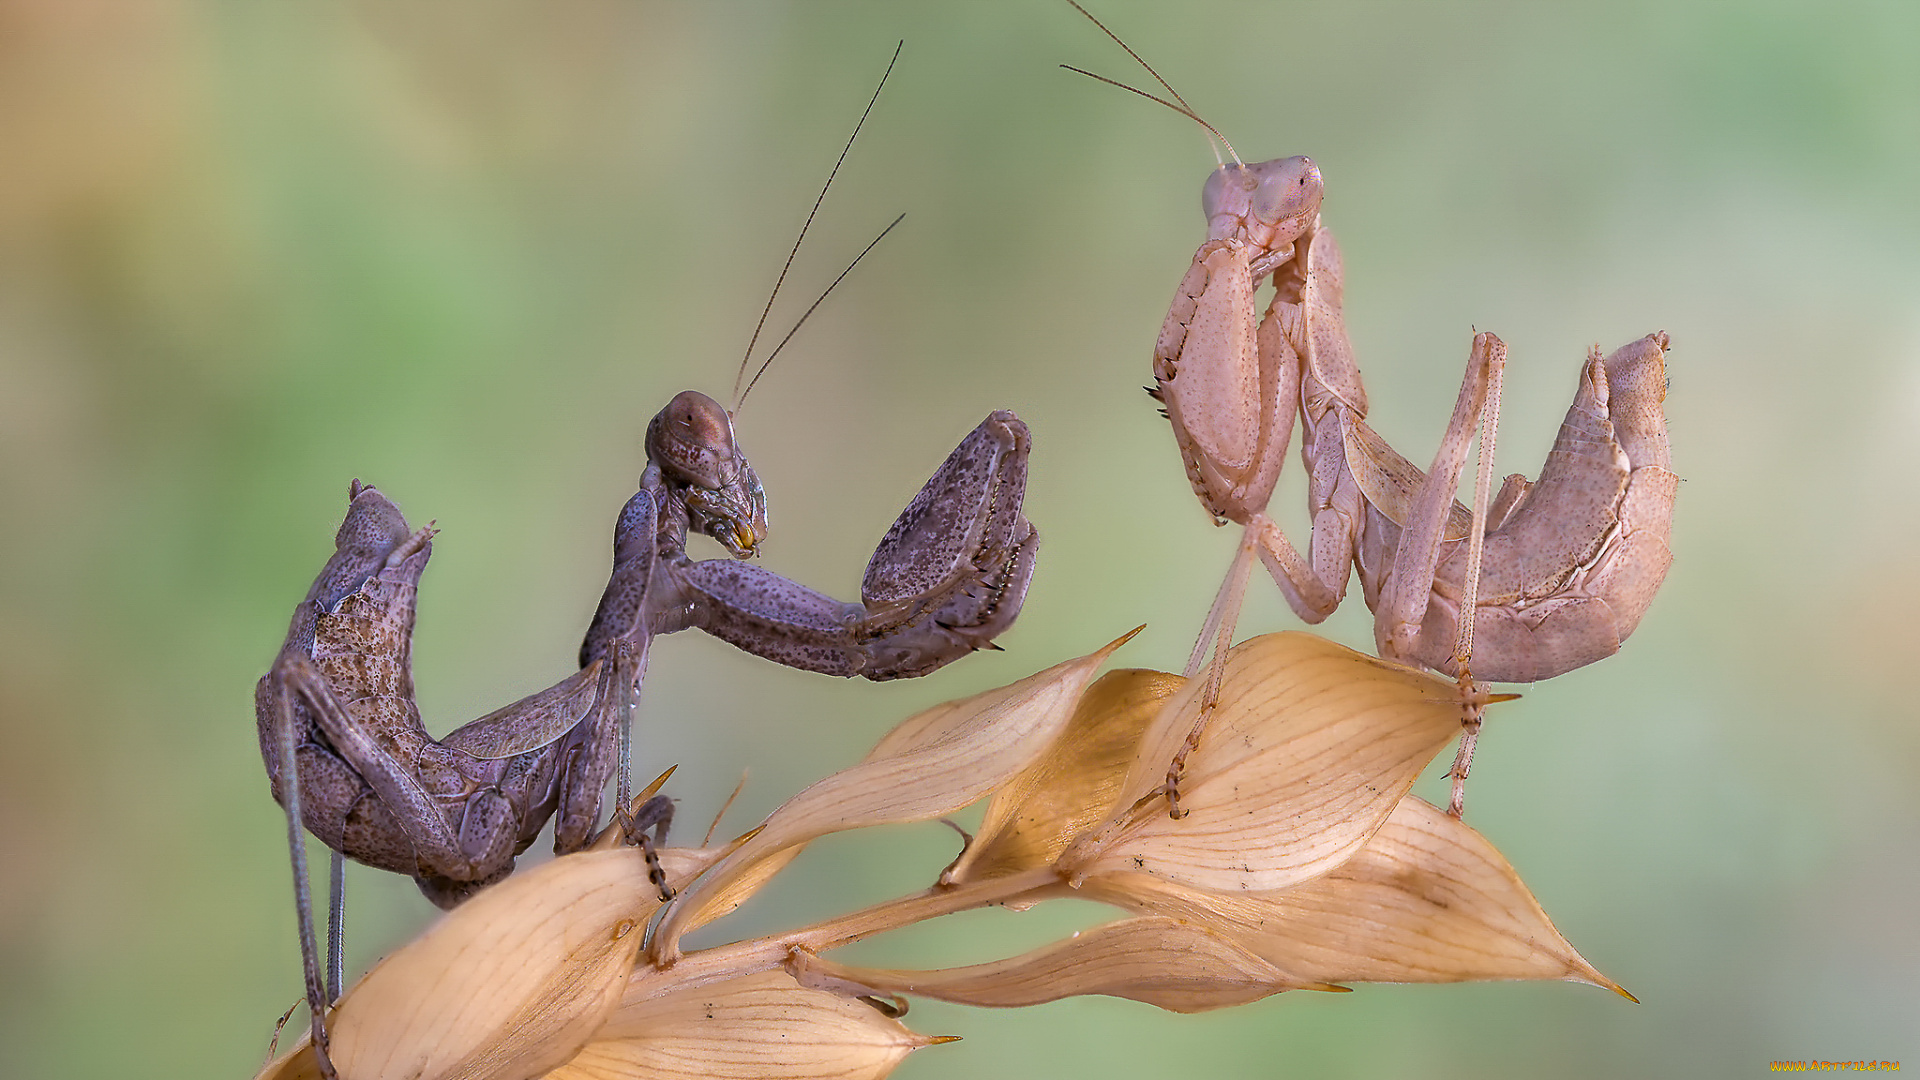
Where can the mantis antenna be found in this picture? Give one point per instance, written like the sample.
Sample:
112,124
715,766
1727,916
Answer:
740,395
1182,108
802,321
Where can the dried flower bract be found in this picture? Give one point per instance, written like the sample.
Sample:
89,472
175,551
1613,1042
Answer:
1301,864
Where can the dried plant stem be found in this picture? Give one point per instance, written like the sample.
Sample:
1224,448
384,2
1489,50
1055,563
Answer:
764,953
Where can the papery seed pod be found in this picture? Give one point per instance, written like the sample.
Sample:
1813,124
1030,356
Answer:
1428,899
1073,786
1165,962
935,763
511,983
1310,748
762,1026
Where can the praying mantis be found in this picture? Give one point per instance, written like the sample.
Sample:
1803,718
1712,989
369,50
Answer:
349,759
337,708
1553,575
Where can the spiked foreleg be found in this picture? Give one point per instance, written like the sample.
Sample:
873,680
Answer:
948,576
623,612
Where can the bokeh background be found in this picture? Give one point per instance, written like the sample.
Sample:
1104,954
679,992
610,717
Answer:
464,250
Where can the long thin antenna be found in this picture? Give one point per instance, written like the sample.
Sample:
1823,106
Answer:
810,309
740,396
1183,108
1136,56
1188,113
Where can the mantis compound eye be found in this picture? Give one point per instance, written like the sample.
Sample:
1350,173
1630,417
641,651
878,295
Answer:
692,442
1269,204
1290,190
1228,190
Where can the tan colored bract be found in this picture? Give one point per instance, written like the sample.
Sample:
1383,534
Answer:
1302,864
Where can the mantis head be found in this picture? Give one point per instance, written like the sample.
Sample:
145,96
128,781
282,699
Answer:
373,523
692,442
1270,204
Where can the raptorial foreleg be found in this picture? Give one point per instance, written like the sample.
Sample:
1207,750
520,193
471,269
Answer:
948,576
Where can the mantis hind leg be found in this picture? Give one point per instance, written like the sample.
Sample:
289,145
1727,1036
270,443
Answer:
317,993
1217,631
336,925
1404,601
656,814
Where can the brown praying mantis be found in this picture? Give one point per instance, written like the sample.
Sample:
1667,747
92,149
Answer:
1554,575
349,759
337,709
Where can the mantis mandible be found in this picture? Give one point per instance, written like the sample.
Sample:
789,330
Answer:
1552,576
349,759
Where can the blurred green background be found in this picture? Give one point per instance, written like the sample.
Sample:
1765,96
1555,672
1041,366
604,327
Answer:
465,250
